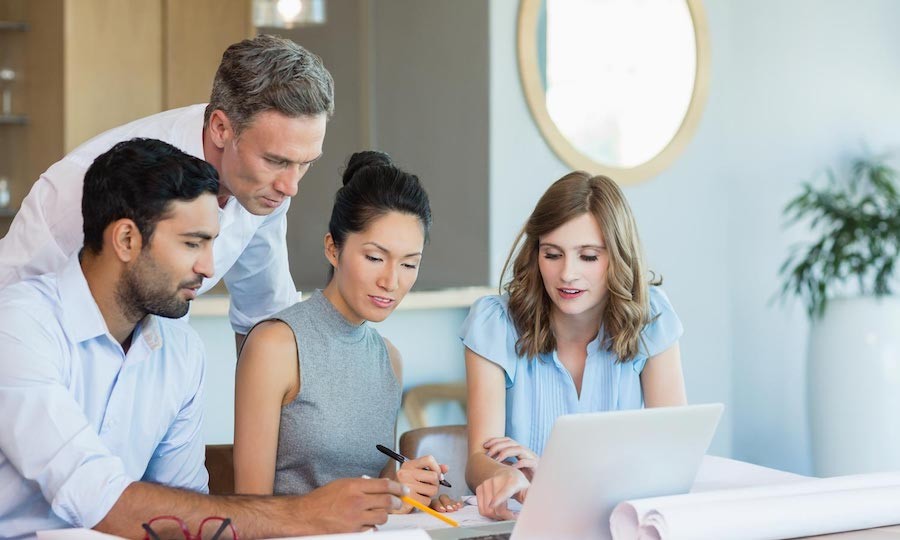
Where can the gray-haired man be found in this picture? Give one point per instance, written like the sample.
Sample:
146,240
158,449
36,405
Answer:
262,129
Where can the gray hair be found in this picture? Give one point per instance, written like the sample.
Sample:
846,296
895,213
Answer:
270,73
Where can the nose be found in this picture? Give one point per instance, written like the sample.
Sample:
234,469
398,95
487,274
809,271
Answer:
570,269
288,182
389,279
204,265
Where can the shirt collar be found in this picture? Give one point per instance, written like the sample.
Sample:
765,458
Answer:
81,317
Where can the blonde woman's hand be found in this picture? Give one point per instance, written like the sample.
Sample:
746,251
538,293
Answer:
504,448
494,493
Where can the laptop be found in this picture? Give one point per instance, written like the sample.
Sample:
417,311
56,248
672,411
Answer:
594,461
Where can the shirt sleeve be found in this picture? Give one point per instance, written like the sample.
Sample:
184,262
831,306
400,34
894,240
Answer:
47,229
178,460
45,434
663,330
260,281
489,332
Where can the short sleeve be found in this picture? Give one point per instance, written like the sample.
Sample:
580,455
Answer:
489,332
663,330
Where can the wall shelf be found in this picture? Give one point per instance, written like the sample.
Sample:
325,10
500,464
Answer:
13,25
13,119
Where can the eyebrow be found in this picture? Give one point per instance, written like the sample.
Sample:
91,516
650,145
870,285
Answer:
386,250
584,246
276,157
200,235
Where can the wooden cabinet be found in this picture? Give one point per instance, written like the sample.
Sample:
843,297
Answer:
90,65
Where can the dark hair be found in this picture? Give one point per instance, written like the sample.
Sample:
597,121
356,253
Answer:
269,73
374,186
137,180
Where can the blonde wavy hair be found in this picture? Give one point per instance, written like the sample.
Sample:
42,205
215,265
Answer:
627,307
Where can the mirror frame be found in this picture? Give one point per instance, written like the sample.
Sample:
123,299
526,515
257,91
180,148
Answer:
571,156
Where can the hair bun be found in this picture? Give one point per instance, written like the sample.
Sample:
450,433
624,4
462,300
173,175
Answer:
361,160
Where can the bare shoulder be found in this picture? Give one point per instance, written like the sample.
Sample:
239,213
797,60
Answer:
270,346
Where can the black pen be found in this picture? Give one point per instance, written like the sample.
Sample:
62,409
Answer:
402,459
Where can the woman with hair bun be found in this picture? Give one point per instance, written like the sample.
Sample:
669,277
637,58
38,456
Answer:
581,328
316,386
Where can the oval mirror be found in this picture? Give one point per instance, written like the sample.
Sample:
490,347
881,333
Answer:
616,86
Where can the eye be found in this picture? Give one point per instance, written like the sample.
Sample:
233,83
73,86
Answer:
589,258
192,245
552,256
277,162
410,266
373,259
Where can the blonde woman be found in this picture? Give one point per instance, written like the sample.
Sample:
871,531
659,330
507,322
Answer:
581,329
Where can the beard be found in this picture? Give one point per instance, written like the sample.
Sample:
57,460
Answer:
145,289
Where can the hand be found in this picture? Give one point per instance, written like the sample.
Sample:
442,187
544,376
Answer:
494,493
503,448
421,476
351,504
443,503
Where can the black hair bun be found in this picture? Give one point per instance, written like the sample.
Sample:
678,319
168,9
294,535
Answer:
366,158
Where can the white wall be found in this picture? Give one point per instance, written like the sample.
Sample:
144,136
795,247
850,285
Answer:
796,86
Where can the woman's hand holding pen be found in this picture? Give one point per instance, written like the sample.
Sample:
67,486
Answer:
504,448
422,476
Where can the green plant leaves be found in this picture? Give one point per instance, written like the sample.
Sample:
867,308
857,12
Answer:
857,219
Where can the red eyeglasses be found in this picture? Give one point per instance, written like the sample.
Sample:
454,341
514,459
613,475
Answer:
224,528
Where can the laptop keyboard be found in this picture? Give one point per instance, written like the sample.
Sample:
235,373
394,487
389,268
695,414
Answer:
501,536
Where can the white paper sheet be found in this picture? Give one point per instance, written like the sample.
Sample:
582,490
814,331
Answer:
75,534
798,508
466,516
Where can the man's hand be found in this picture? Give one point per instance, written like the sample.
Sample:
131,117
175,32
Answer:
351,504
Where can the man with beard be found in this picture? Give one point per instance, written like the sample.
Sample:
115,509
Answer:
102,394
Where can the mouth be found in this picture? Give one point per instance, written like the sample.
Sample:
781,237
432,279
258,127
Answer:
191,290
382,301
568,294
272,203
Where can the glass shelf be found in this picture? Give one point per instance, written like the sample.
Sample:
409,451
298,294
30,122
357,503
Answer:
13,119
13,25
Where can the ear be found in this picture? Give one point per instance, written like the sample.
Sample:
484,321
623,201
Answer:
332,253
220,128
124,239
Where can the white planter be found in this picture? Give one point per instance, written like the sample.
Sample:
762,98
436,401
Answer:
853,375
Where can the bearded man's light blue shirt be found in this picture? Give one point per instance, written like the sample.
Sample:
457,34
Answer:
81,418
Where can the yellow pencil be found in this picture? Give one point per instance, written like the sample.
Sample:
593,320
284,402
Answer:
422,507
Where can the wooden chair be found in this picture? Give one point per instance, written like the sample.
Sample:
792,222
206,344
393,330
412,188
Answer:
220,464
417,398
448,444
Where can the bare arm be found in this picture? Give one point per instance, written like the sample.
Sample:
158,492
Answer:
492,481
341,506
662,381
267,377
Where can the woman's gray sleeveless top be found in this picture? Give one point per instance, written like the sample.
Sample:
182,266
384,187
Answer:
348,400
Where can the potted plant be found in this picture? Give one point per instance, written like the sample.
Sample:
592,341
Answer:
845,277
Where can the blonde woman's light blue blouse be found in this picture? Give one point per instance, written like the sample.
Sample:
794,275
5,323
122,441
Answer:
540,390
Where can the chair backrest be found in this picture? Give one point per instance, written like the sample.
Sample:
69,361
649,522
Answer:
417,398
220,464
448,444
